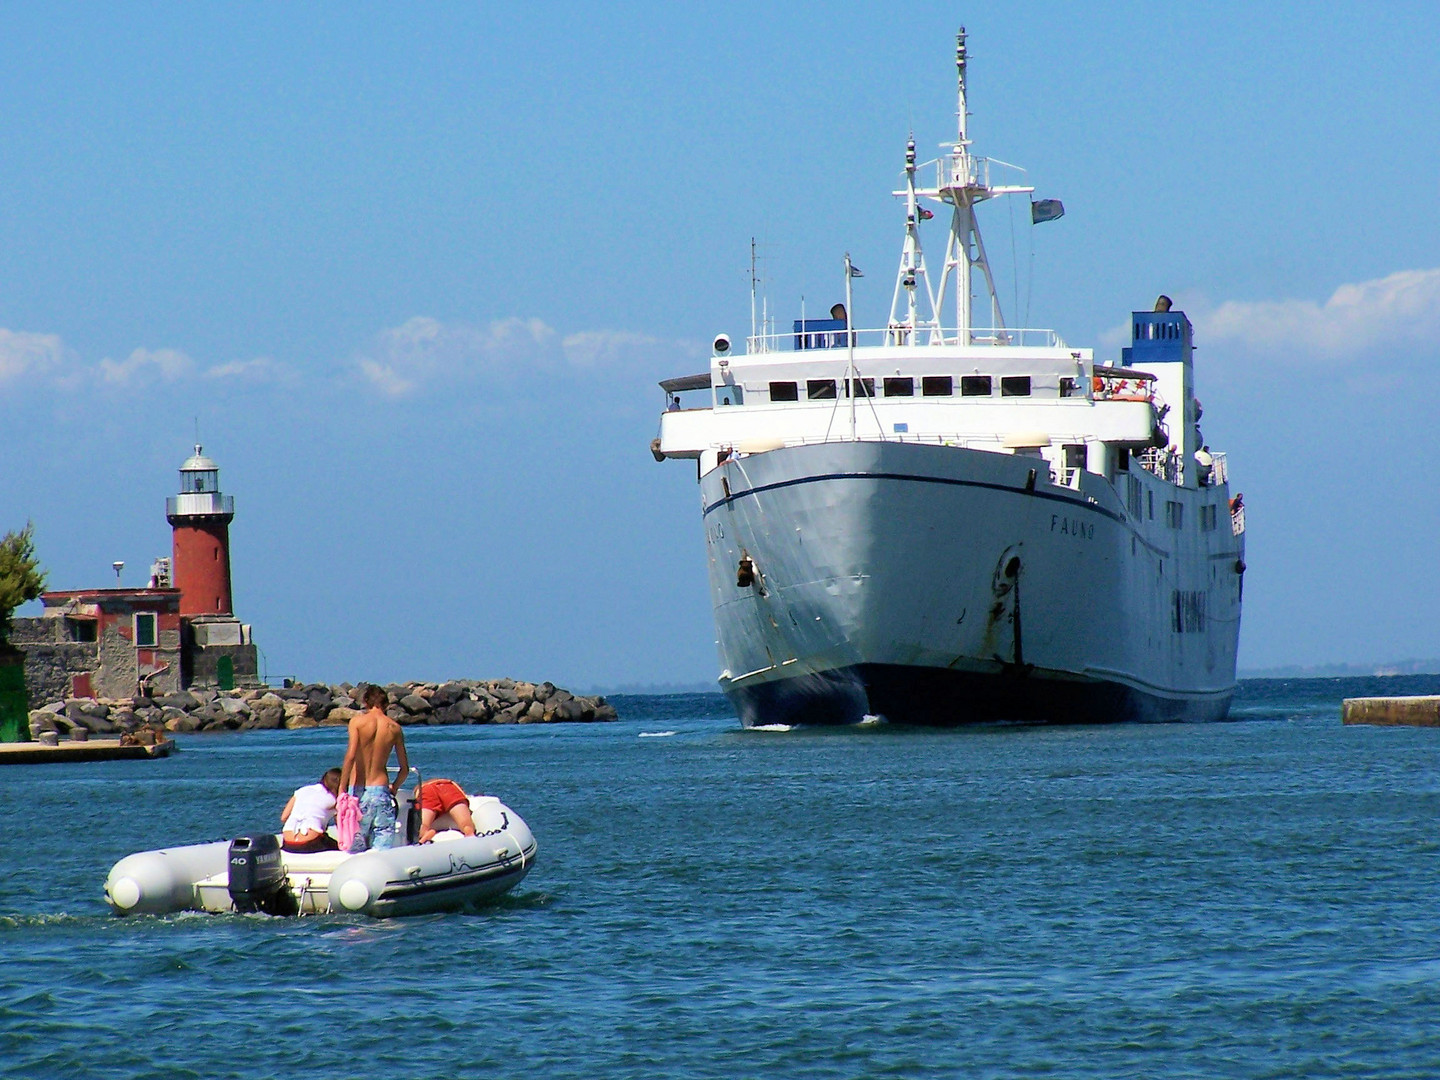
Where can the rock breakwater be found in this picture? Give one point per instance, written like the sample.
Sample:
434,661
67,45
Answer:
462,701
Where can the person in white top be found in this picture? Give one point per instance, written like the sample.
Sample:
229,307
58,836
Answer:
307,814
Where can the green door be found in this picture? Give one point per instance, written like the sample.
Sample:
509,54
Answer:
225,673
14,704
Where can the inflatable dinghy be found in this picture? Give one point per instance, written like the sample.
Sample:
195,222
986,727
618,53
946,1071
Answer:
252,873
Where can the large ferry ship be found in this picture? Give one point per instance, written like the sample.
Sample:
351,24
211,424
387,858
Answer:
942,524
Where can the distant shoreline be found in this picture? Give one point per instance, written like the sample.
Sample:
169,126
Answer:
1344,671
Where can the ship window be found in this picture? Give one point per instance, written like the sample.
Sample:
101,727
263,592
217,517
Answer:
783,391
729,395
1174,514
900,387
937,386
817,389
145,630
1069,386
1150,498
1208,518
975,386
866,387
1075,455
1015,386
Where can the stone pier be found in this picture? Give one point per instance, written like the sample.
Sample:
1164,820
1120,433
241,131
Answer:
1392,711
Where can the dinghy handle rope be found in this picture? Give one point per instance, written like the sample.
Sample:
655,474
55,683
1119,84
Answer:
503,829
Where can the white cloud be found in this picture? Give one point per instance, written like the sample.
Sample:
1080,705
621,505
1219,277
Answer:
385,378
419,354
261,369
166,364
423,351
1393,316
596,348
23,353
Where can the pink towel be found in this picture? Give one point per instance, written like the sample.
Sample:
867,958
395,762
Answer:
347,819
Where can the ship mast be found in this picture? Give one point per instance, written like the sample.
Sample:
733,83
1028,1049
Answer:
962,181
904,305
753,331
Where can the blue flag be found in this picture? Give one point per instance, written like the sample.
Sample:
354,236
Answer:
1046,210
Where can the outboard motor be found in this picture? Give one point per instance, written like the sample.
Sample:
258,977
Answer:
412,811
257,876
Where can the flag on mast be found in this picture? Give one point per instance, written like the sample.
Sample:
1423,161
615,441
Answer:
1046,210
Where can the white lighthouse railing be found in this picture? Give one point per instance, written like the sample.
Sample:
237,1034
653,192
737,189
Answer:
199,503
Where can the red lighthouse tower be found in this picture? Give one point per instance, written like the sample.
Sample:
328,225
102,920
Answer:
201,518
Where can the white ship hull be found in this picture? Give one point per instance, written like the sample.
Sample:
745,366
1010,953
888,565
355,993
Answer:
942,585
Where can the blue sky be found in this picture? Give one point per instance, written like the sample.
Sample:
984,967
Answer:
416,270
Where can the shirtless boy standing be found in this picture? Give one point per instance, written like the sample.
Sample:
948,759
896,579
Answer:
372,736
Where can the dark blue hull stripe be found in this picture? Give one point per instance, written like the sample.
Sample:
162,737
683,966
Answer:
1078,504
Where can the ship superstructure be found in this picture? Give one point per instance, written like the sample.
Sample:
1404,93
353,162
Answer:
949,523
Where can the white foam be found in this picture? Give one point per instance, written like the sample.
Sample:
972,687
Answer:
656,734
773,727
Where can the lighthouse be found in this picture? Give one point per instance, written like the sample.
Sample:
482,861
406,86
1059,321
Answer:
200,517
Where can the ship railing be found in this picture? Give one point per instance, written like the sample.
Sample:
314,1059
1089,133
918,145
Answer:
1169,466
1108,385
967,171
1237,519
1220,470
966,441
1164,464
815,334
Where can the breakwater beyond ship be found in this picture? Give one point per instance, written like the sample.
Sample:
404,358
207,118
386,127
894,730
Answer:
460,701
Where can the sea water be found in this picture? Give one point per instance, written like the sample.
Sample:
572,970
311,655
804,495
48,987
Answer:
1257,898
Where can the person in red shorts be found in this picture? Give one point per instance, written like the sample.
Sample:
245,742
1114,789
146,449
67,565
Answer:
444,797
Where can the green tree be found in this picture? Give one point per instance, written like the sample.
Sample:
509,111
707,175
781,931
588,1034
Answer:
21,578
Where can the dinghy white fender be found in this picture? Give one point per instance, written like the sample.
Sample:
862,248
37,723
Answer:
161,882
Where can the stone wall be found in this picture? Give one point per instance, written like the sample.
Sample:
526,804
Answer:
202,666
51,662
462,701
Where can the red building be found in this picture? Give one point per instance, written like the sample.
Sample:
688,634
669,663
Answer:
104,642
